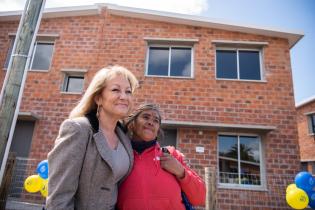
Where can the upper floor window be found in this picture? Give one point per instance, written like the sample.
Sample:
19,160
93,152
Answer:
311,123
240,64
73,80
240,160
41,55
169,61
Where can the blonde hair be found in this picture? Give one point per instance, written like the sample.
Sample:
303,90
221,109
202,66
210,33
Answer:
98,83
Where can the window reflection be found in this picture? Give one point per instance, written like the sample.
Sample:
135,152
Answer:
239,160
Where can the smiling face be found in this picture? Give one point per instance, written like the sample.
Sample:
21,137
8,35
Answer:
146,126
116,98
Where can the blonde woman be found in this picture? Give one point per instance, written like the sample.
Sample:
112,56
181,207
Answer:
92,153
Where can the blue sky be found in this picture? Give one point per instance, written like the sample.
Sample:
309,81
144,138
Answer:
291,15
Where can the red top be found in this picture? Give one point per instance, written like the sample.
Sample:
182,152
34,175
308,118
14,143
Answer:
149,187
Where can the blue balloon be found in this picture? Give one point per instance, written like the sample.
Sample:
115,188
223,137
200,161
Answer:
42,169
305,181
311,198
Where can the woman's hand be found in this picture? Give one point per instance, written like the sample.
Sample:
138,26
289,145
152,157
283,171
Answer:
172,165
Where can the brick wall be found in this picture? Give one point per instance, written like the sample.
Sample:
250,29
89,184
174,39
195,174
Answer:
306,141
91,42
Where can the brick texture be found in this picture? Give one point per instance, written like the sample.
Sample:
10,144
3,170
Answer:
92,42
306,140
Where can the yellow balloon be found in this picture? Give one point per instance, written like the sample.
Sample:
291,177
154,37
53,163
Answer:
33,183
44,188
297,198
291,187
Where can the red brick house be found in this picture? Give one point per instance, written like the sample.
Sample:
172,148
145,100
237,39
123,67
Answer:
225,90
306,129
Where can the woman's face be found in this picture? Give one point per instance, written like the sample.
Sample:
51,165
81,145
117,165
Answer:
116,98
146,126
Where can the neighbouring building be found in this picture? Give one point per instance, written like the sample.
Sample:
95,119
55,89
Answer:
225,90
306,129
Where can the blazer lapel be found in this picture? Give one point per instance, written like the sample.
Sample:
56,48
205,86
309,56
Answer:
103,148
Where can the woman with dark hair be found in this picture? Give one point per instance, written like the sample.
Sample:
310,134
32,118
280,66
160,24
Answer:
158,177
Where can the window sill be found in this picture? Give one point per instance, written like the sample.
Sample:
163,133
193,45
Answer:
31,70
241,187
71,93
242,80
38,70
311,134
169,77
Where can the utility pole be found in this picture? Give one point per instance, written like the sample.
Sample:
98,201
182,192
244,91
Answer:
12,90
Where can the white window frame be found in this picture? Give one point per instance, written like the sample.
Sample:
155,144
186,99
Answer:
237,49
169,46
33,55
72,73
262,186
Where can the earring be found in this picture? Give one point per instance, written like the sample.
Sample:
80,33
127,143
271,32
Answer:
130,134
98,111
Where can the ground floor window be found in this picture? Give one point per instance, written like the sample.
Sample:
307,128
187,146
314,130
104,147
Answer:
240,160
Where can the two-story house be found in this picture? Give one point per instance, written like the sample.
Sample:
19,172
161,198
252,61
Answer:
225,90
306,129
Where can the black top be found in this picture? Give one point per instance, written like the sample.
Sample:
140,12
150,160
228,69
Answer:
140,146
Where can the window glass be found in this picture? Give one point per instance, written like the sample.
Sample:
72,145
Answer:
158,61
239,160
6,64
304,166
74,84
42,56
313,122
249,65
226,64
181,62
250,160
228,159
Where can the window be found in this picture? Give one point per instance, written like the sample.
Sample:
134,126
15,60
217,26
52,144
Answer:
311,123
170,137
304,166
170,61
241,64
41,55
7,60
239,160
73,83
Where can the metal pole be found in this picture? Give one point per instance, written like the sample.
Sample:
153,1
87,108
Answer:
13,86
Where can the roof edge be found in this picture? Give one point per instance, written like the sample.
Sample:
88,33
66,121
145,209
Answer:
292,36
177,18
305,101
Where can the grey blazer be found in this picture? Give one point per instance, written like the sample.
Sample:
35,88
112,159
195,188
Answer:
80,168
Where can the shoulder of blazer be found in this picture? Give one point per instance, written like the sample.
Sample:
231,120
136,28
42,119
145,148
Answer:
83,123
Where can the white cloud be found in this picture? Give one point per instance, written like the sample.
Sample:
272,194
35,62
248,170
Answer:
193,7
9,5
